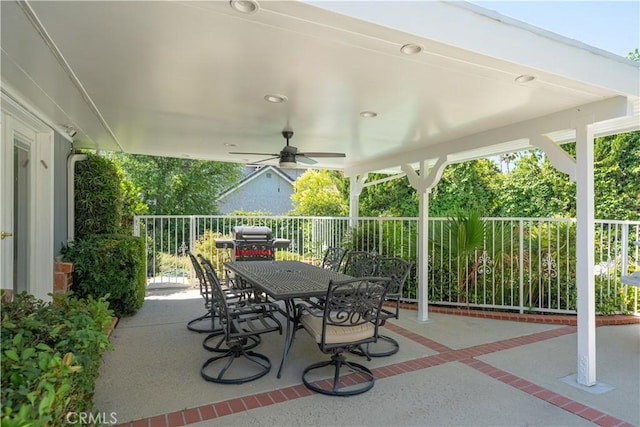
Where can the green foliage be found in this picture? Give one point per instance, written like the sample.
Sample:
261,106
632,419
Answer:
98,202
394,198
617,177
110,266
174,186
132,203
473,185
535,189
317,193
464,236
51,353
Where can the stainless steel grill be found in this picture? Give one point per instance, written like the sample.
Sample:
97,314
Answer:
252,243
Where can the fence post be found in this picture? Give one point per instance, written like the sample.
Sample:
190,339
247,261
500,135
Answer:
136,226
625,249
192,233
521,264
380,227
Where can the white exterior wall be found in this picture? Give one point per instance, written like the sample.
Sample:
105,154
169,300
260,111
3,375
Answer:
268,192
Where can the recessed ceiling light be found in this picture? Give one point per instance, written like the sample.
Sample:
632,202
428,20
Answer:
245,6
276,99
368,114
525,78
411,49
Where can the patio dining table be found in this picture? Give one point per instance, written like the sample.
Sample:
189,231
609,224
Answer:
286,281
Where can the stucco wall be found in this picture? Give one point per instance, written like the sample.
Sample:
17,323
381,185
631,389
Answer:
268,192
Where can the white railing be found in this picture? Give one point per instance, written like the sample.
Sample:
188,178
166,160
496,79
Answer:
525,264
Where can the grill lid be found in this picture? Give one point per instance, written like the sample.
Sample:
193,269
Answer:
252,233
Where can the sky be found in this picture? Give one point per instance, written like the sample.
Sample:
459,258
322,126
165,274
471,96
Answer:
610,25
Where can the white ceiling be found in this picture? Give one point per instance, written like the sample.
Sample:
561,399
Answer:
188,79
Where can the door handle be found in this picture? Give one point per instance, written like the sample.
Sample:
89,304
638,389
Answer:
4,234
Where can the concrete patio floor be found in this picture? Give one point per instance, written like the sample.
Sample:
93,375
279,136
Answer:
451,370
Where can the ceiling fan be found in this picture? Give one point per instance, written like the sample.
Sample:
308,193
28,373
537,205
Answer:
289,155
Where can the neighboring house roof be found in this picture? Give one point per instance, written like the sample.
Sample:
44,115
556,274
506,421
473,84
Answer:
253,175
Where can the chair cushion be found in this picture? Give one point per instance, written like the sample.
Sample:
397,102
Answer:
336,334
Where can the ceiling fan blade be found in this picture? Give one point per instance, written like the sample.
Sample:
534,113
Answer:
322,154
263,160
253,154
304,159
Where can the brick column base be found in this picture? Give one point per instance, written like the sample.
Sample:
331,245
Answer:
63,277
7,295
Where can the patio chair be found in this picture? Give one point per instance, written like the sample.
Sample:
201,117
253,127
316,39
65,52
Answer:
194,324
233,297
348,320
397,270
239,322
361,264
333,258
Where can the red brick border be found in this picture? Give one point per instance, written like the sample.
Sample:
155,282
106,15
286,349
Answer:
552,319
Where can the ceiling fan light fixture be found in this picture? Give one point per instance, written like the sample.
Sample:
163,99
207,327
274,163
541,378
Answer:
275,99
287,165
245,6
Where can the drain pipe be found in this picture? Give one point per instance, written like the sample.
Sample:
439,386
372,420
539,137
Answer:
71,205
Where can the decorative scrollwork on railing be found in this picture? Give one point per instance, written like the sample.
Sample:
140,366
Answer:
549,266
183,248
486,263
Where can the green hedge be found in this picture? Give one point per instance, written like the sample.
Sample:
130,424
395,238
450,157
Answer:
112,265
98,198
51,353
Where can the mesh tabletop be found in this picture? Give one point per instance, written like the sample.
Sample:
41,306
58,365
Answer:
286,279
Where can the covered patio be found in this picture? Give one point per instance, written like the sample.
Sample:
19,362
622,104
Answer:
451,370
403,93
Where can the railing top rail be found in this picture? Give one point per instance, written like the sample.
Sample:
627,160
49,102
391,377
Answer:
345,218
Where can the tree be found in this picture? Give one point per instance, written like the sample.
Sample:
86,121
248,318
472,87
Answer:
174,186
617,177
508,158
316,193
390,198
535,189
473,185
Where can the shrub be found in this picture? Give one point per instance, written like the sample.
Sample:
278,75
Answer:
110,265
51,353
98,201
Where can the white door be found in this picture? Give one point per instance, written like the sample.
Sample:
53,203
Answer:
17,142
26,214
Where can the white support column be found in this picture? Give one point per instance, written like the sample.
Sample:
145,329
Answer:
355,188
423,257
585,279
423,184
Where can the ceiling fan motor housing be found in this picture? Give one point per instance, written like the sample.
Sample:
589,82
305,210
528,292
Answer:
287,133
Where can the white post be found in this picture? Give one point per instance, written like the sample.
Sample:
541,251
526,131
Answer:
585,280
423,256
356,184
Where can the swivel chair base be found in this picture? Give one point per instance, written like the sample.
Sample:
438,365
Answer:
203,324
362,380
219,345
236,363
381,351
